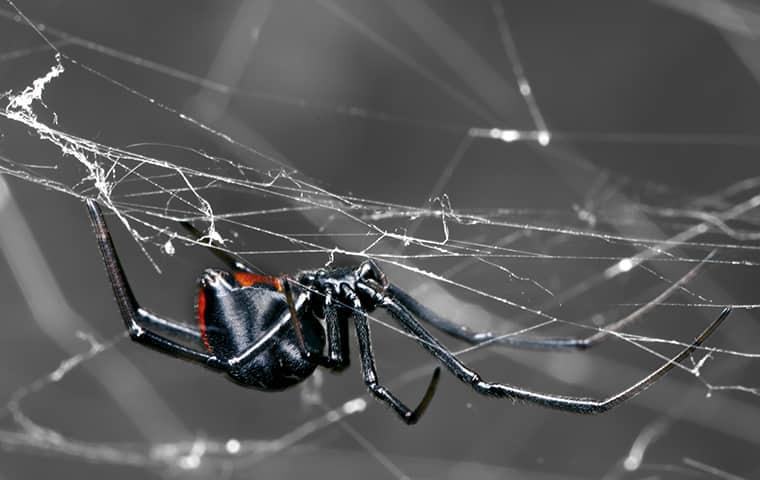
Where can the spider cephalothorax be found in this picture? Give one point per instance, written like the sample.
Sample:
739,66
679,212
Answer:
271,332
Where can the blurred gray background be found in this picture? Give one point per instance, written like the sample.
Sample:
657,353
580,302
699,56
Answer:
652,109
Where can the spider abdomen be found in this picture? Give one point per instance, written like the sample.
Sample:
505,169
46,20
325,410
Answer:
276,369
233,318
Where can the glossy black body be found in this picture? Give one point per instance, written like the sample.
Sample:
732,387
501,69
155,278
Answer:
237,316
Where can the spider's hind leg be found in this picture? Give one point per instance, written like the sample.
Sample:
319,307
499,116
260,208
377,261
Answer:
136,319
182,331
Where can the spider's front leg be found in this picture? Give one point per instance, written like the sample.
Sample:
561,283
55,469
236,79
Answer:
137,319
560,402
369,370
558,343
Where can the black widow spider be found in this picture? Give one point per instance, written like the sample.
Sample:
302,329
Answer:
267,332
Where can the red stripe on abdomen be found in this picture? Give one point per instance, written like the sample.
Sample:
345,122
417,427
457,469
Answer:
246,279
202,318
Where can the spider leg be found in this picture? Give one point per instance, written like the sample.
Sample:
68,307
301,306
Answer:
137,319
557,343
369,370
337,335
571,404
335,358
228,259
170,327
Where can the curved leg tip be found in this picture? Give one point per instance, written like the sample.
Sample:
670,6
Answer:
429,394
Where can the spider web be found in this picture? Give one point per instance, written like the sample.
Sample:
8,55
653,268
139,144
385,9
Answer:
451,178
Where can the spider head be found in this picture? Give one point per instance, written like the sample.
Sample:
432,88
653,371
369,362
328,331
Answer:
370,274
